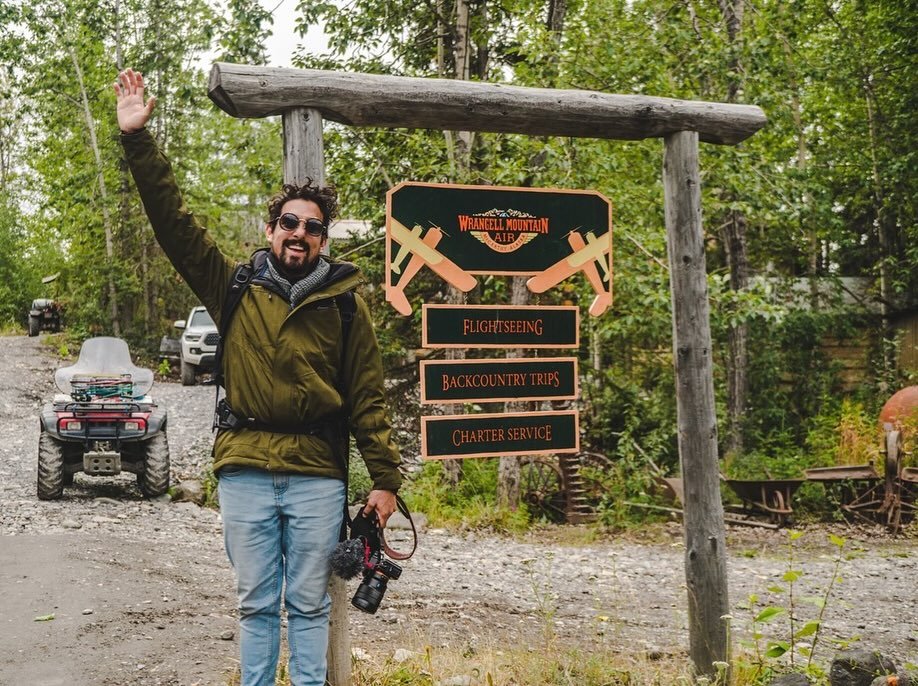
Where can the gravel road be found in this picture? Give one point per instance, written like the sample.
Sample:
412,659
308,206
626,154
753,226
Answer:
141,592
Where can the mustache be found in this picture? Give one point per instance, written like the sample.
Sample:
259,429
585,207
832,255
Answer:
301,244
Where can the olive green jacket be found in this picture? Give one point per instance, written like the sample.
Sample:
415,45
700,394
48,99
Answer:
280,365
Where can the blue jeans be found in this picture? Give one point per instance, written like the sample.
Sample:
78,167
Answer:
279,530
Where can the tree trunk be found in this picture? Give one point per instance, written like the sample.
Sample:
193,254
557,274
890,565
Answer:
734,238
461,56
554,22
808,226
508,472
103,193
887,336
734,242
452,469
7,113
145,237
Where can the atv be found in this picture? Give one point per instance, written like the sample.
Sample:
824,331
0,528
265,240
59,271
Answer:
44,314
103,423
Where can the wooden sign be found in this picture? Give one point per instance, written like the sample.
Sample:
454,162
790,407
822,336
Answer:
459,231
498,380
493,435
499,326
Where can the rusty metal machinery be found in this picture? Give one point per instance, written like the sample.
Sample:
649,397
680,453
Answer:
889,496
564,488
569,487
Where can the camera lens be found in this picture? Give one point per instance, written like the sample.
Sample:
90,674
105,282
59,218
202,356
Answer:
370,593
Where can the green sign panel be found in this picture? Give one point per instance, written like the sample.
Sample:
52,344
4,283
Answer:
459,231
498,230
493,326
459,381
492,435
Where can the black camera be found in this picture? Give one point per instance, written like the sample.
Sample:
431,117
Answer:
373,587
362,553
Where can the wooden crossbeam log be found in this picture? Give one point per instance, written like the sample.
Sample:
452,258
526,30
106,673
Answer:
409,102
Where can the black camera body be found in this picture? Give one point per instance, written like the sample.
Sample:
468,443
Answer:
362,553
370,593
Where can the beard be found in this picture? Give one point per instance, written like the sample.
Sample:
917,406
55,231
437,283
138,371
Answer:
296,263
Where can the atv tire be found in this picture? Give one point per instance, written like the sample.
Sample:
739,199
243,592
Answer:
154,479
50,467
188,371
34,325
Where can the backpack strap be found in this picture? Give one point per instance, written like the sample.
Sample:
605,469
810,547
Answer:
347,308
238,285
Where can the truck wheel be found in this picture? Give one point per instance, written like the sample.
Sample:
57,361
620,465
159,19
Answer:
187,374
34,325
50,467
154,479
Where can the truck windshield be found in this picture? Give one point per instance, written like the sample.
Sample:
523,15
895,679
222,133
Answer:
201,318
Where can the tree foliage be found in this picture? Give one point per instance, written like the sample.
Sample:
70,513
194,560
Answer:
827,189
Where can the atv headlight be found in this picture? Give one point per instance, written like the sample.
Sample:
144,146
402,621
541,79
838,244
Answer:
73,426
132,425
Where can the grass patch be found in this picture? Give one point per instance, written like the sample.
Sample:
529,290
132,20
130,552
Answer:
492,666
511,667
472,504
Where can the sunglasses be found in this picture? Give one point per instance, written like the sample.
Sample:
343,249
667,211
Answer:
290,222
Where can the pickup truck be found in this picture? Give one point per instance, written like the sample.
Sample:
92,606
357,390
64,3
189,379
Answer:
198,343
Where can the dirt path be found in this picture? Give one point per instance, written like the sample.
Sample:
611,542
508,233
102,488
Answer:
141,592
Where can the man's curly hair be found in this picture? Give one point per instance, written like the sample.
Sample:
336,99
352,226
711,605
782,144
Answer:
326,197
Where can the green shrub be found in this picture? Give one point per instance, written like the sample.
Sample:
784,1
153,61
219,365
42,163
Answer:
472,503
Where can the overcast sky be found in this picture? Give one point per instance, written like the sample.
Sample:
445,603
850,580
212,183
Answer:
284,40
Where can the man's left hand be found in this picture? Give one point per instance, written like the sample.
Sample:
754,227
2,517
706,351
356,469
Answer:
383,502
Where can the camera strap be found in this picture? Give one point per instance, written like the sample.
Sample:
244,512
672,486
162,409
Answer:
395,555
387,549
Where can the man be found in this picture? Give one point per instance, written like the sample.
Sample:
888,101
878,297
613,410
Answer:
289,378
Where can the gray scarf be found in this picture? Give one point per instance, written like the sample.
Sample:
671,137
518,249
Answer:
297,292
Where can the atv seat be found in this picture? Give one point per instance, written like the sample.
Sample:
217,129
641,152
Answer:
105,356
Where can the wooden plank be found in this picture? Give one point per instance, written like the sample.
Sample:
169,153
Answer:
705,546
506,379
443,104
463,436
500,326
304,159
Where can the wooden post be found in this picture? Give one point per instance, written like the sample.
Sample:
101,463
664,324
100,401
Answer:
304,157
705,548
304,148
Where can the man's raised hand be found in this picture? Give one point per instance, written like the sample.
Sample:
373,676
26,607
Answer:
133,113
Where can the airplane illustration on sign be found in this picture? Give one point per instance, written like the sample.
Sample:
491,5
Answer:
585,257
422,252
